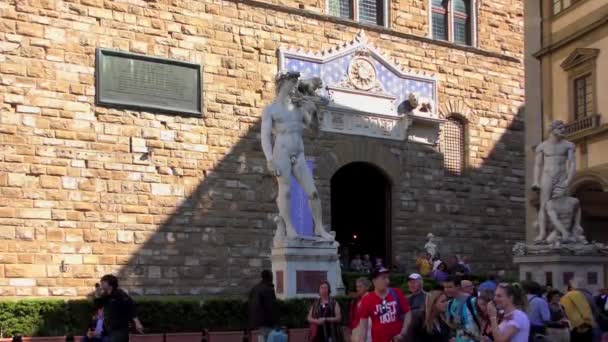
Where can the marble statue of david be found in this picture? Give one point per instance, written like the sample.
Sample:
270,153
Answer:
286,117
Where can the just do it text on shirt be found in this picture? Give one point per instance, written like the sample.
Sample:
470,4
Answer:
389,314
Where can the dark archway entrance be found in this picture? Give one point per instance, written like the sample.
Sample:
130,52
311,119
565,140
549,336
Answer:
594,218
361,211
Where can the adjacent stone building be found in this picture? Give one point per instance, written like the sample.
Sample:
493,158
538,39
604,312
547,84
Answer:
566,75
183,204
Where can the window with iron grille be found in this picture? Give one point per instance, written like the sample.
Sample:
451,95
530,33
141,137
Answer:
341,8
583,96
452,20
452,145
364,11
560,5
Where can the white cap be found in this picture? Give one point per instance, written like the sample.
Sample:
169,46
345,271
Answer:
414,276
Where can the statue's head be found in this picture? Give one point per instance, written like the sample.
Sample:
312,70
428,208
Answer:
413,100
317,82
558,128
430,236
285,79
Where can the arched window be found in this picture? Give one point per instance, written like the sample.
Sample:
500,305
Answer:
462,19
440,19
453,145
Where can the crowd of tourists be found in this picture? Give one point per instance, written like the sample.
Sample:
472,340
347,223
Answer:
427,265
456,311
364,264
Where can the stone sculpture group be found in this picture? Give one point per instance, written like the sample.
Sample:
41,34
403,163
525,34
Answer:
554,169
559,215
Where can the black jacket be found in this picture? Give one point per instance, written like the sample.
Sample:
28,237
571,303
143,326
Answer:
263,306
600,302
118,311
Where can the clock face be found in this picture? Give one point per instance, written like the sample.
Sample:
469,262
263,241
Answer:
362,73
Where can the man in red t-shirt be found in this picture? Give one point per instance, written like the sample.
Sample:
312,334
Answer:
388,309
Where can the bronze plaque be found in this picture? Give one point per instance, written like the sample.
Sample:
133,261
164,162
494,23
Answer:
308,282
147,83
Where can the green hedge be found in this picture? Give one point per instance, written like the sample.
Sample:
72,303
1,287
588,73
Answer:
58,318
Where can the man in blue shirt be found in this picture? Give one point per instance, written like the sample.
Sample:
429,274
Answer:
462,313
538,309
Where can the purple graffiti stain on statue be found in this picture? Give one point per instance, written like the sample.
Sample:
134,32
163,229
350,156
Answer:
300,211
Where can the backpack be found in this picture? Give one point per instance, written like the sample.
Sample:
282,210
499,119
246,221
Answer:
458,319
400,312
277,335
473,311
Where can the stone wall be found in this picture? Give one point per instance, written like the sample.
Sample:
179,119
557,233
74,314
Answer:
79,199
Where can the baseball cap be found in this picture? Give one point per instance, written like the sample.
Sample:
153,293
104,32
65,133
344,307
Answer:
380,271
414,276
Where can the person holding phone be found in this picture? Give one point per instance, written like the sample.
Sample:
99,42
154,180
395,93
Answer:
514,326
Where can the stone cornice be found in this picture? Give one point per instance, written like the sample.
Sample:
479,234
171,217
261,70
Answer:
375,28
571,38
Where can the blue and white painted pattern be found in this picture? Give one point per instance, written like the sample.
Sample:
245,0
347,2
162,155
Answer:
335,70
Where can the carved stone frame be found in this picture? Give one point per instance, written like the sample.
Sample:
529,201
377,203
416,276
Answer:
460,110
579,63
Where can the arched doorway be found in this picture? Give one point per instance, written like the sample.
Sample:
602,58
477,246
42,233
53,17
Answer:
594,218
361,211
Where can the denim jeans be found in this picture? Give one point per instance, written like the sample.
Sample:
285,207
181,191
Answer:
264,332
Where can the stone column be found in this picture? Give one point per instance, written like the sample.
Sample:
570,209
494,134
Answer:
533,109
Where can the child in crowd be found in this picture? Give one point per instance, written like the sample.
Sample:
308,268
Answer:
96,333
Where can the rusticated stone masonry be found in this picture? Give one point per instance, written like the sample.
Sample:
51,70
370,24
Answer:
181,205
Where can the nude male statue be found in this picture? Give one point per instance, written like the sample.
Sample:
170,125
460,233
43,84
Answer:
565,215
554,166
286,116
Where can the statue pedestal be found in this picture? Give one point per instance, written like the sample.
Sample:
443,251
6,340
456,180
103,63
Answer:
556,265
299,266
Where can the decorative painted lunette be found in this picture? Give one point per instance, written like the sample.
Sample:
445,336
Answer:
369,92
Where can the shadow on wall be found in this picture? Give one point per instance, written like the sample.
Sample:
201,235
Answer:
480,213
219,237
